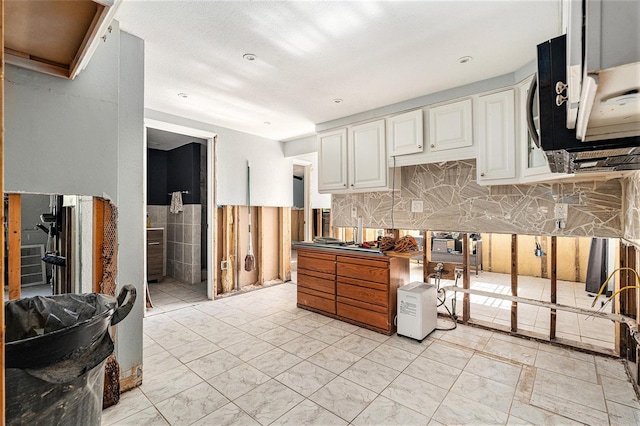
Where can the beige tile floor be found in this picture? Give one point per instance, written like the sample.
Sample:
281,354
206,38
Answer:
255,358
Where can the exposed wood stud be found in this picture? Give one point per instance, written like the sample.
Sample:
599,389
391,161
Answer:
228,249
489,253
544,273
514,282
619,308
261,248
554,285
14,232
284,245
318,230
466,280
426,248
577,261
2,237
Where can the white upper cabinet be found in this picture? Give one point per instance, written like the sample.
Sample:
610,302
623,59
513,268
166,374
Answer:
332,159
450,126
353,159
404,133
367,151
496,159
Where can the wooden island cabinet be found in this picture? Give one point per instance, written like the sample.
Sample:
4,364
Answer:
353,286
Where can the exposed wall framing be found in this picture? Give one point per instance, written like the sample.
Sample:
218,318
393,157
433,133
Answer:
271,240
2,239
105,246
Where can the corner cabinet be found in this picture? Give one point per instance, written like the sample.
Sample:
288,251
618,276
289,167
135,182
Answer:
353,159
496,162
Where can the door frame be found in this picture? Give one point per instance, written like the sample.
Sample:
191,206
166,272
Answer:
308,214
210,137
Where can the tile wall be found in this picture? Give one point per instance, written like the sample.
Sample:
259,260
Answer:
183,236
632,208
454,201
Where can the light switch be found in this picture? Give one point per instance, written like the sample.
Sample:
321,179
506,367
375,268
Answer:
416,206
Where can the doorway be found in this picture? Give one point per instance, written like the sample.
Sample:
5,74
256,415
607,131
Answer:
179,197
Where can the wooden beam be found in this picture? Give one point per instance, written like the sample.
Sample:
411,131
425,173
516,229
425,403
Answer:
554,285
619,308
514,282
98,242
228,249
284,243
426,255
544,273
14,246
466,280
577,259
260,249
2,384
318,230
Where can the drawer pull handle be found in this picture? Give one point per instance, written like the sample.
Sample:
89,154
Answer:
157,243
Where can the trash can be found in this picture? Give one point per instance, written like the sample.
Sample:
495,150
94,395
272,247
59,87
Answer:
55,351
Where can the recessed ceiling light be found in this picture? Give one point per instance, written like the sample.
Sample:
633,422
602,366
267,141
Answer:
267,122
465,59
249,56
337,101
183,95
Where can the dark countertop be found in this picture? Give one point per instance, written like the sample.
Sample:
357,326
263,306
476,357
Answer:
339,248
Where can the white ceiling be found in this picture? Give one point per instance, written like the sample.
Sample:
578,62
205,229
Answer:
368,53
166,141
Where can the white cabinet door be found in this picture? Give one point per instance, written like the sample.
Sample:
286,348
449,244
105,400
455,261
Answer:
450,126
367,156
332,161
404,133
496,137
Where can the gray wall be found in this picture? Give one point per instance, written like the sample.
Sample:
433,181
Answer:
86,137
270,171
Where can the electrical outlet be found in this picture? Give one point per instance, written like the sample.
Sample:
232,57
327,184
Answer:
354,212
561,211
417,206
224,265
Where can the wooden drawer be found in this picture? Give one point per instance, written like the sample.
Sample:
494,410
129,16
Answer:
317,300
363,315
364,272
317,281
363,294
155,235
320,263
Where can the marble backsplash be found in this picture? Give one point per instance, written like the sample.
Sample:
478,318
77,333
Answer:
454,201
632,208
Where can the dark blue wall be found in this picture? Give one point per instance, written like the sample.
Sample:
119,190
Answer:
175,170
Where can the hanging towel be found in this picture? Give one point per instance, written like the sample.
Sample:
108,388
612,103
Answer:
176,202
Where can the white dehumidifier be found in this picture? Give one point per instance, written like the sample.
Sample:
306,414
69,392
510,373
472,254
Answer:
417,310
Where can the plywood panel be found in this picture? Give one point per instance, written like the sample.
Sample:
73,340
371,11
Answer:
500,253
271,244
528,263
297,225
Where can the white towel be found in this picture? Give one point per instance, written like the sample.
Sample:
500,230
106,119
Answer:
176,202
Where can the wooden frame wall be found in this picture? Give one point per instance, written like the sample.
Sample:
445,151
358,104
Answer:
2,384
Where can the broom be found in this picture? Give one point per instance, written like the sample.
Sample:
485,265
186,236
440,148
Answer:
249,260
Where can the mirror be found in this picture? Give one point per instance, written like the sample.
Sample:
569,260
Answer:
48,239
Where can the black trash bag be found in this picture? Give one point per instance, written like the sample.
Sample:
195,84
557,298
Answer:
55,351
